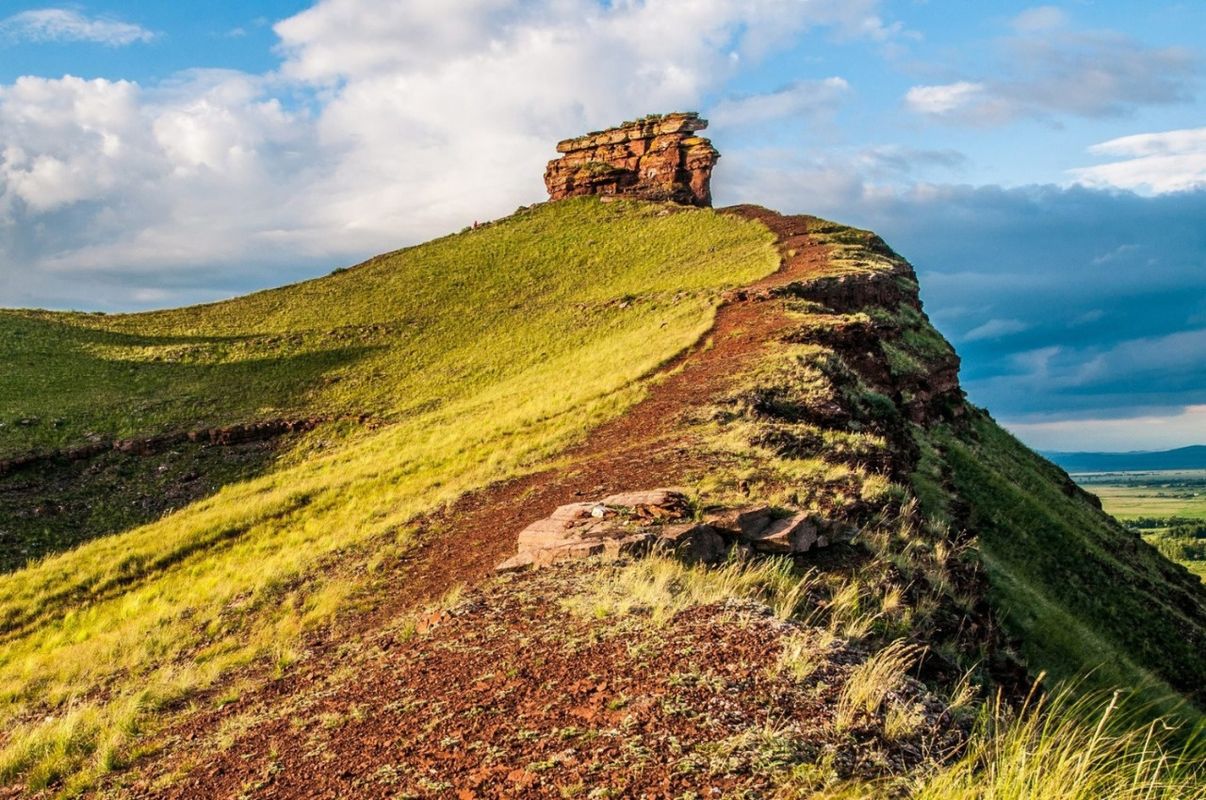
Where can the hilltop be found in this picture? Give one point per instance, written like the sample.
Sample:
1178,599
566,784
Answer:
259,538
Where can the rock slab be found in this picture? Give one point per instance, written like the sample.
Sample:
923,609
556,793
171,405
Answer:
633,524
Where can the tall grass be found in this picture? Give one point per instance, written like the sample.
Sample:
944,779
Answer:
662,587
1085,747
871,682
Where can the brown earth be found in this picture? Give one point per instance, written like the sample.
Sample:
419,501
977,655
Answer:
460,546
513,695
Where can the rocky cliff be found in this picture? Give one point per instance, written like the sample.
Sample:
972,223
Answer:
654,158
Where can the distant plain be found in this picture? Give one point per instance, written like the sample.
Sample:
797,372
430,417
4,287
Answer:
1167,506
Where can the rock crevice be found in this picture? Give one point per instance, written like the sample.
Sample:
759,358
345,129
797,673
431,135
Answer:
658,157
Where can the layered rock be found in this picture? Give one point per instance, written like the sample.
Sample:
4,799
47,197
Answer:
636,523
654,158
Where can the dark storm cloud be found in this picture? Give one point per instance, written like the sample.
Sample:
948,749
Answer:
1061,299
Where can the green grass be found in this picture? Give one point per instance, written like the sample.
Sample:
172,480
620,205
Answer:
392,337
57,505
488,352
1070,747
1131,497
1081,593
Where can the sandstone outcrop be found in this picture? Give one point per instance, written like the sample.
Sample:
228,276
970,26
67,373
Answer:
659,520
654,158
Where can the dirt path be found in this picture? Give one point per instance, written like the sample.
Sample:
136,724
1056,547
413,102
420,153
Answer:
642,449
460,547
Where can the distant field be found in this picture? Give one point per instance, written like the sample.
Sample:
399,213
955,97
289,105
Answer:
1167,506
1136,495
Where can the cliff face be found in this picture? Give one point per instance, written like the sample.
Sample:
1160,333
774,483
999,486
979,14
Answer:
654,158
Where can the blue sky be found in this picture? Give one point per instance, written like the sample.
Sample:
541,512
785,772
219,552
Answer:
1043,166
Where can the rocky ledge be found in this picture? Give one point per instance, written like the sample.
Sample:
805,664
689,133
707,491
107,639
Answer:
660,520
658,157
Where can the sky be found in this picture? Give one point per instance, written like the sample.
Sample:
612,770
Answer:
1042,166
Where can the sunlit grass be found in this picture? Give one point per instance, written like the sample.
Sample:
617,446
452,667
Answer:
1071,749
515,340
870,683
661,587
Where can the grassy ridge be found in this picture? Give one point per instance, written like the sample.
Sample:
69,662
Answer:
397,334
490,351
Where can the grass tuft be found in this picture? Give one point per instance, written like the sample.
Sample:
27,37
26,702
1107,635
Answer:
1062,748
870,683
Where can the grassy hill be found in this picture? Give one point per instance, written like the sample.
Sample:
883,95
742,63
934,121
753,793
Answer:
431,373
489,351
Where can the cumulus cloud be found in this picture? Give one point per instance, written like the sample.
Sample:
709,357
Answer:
66,25
1044,69
1171,161
108,188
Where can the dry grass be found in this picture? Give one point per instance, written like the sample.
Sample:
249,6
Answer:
661,587
870,683
1064,749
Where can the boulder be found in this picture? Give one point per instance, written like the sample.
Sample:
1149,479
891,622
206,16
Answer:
692,543
621,525
632,524
764,531
743,523
794,534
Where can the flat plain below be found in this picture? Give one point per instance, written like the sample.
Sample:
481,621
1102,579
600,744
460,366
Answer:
1167,506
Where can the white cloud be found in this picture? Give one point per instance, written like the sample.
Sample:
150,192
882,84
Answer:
68,140
944,98
1046,70
105,176
66,25
384,125
1039,18
799,98
1170,161
995,329
1151,431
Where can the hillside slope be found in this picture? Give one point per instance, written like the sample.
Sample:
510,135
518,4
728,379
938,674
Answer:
454,393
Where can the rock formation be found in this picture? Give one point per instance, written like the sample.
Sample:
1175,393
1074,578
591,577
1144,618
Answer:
659,520
654,158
